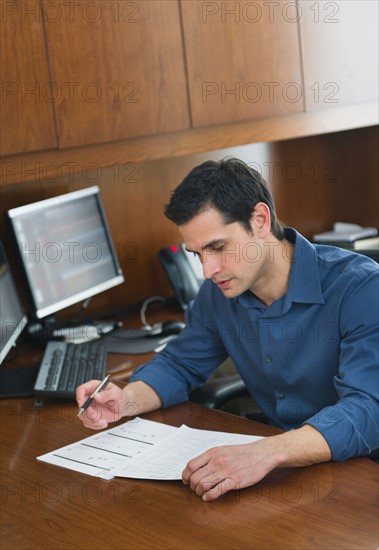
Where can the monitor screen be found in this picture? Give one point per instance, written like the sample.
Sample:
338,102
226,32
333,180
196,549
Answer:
66,250
12,316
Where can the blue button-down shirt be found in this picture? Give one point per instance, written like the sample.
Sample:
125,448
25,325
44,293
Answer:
310,357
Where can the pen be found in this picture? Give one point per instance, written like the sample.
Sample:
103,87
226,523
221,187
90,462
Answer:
99,388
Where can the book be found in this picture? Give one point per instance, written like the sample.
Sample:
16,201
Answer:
372,243
345,234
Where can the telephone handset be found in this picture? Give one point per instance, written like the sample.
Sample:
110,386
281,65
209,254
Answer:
184,272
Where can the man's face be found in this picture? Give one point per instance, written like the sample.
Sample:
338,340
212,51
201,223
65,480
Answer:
232,257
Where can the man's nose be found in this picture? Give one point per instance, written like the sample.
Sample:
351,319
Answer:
211,266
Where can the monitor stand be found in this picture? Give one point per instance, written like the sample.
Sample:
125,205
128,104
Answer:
17,382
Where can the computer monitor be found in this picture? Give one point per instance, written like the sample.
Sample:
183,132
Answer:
12,315
66,250
15,381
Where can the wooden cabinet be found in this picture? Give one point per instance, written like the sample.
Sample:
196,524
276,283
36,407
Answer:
148,79
26,112
243,61
339,43
118,69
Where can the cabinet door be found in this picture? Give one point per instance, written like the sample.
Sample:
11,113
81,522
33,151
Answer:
26,114
118,68
340,52
243,60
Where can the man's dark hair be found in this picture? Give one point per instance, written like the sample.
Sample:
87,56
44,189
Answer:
230,186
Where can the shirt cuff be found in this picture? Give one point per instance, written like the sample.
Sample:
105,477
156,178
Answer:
344,439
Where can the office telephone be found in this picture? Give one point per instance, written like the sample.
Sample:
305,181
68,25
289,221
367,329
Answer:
184,272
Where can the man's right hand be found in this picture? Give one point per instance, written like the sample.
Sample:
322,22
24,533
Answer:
108,406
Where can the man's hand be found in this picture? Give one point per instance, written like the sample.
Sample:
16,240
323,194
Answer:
226,468
113,403
230,467
108,406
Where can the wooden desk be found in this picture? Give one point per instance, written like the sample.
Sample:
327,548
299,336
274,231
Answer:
325,506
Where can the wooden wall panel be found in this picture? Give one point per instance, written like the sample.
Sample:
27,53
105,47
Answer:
26,113
340,52
243,61
119,69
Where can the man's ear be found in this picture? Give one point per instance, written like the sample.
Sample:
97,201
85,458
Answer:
261,220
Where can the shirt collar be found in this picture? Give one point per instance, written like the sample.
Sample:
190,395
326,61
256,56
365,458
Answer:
304,284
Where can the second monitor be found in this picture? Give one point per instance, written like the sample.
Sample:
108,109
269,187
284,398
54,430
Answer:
66,250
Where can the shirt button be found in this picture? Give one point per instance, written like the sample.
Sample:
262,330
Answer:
281,396
268,359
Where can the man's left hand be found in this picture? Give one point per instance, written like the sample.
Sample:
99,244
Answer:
230,467
223,469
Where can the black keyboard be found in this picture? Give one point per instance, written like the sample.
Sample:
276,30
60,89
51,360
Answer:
65,366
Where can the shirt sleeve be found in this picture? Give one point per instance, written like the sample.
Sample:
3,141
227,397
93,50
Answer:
188,360
351,426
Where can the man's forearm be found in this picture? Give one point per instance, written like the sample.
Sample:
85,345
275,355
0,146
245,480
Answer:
140,398
301,447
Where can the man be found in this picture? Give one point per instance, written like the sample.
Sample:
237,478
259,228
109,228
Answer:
299,321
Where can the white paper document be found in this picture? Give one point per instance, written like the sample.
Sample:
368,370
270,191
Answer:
168,458
97,454
141,449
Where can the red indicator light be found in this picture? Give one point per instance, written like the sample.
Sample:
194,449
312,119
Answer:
174,248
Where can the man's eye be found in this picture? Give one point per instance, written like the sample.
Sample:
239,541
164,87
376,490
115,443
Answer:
218,248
